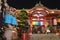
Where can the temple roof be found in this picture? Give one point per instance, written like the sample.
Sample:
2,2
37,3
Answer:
39,4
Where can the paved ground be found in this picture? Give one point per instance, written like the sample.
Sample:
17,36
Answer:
44,37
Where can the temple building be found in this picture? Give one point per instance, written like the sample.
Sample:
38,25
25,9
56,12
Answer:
41,16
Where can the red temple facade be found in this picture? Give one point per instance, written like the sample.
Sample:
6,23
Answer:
42,16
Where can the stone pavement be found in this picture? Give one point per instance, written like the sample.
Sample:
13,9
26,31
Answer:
44,37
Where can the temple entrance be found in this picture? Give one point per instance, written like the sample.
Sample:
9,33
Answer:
38,25
38,21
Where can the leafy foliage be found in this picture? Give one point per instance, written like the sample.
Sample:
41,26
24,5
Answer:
23,17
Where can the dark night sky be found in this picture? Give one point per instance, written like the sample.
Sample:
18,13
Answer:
52,4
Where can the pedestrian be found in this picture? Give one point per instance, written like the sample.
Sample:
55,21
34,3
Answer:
11,22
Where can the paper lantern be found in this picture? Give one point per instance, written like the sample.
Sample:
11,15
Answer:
34,23
38,23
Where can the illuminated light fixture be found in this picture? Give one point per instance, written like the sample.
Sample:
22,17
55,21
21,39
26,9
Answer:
38,12
39,9
41,15
0,7
47,11
35,15
41,19
37,23
52,11
31,11
34,23
34,19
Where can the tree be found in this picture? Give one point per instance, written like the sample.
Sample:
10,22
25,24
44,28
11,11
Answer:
23,17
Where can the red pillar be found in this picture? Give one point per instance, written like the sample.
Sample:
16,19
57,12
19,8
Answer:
45,24
51,21
30,28
30,31
24,36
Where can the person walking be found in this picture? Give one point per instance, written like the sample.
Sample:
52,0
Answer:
11,23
